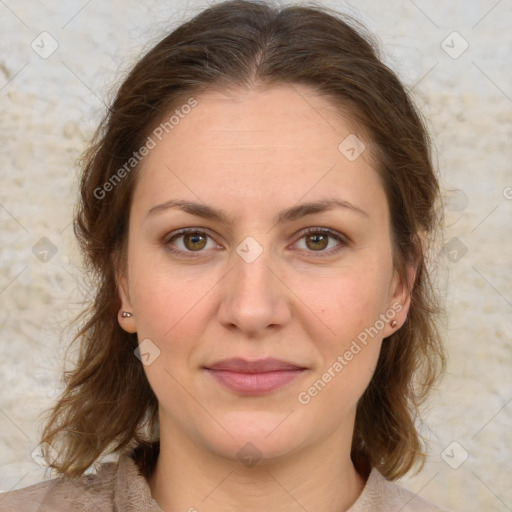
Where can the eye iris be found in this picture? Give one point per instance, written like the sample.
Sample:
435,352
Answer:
194,238
318,237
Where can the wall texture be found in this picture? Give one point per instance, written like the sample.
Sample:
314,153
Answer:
59,63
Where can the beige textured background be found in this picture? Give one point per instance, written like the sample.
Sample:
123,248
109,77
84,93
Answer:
49,107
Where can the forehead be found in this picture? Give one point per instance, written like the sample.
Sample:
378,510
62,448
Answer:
280,143
281,116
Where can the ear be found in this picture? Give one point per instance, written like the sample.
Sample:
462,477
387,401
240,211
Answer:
399,300
127,323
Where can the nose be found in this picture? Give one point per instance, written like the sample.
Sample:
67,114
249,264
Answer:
254,297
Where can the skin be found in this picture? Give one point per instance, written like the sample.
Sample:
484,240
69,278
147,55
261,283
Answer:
254,153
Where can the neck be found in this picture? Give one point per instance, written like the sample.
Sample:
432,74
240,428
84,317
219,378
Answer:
319,477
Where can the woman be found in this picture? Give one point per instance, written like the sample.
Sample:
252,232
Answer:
256,208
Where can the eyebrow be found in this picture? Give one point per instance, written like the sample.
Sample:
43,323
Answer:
287,215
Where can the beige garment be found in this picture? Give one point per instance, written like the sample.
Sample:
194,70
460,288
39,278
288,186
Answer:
119,487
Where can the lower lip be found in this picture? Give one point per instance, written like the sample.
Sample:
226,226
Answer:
255,383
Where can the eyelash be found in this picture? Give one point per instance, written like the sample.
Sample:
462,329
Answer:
308,231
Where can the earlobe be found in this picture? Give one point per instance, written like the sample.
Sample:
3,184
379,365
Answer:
127,321
400,301
125,316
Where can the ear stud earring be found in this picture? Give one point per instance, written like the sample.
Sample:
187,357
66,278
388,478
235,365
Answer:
126,314
394,324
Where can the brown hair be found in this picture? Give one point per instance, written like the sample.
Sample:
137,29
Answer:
107,404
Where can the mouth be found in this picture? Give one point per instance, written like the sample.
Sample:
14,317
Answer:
254,377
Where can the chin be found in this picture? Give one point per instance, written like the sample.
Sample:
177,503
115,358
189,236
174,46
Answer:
256,435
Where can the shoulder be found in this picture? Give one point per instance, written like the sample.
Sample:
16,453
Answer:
381,495
86,493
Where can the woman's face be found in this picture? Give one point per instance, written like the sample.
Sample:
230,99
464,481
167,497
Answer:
250,282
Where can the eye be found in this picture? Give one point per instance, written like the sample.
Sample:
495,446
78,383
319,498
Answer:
317,239
193,240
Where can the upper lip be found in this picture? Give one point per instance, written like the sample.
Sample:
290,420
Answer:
240,365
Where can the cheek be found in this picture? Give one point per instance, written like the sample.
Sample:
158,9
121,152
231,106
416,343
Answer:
171,303
350,301
171,311
351,307
348,357
166,303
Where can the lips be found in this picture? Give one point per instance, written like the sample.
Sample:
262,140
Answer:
262,366
254,377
